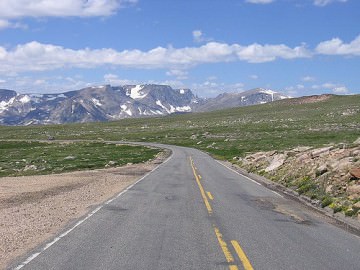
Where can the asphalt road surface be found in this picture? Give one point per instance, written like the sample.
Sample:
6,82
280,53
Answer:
194,213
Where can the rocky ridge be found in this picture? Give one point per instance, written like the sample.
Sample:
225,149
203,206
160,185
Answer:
329,176
106,103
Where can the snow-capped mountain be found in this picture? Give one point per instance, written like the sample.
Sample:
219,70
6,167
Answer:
247,98
104,103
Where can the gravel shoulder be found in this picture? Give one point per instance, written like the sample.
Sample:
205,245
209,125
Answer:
34,208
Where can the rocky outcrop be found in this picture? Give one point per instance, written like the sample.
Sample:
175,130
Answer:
328,175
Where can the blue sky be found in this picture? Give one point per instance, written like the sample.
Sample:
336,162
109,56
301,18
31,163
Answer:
299,47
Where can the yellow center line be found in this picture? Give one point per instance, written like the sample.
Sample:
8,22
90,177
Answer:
224,247
242,256
202,191
229,257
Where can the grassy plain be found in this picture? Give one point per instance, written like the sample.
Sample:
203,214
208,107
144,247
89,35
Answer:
225,134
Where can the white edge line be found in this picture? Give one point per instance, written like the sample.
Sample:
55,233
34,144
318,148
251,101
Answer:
278,194
48,245
239,173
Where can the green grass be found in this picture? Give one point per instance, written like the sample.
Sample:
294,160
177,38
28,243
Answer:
224,134
227,133
32,158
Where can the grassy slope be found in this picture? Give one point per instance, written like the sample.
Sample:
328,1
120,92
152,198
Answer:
225,134
33,158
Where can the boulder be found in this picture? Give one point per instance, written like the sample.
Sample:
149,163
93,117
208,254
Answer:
276,162
320,151
356,205
355,172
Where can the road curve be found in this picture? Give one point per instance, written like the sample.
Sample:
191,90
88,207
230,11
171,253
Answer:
194,213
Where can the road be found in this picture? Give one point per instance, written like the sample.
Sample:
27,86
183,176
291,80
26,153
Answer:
194,213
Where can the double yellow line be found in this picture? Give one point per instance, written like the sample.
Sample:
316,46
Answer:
223,245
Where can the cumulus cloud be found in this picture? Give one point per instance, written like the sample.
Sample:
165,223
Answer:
259,1
322,3
35,56
254,77
55,8
336,46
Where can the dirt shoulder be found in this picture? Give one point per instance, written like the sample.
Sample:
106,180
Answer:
34,208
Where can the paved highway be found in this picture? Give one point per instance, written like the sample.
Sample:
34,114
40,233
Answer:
194,213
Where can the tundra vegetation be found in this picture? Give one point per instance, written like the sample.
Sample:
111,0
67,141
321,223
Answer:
34,158
277,130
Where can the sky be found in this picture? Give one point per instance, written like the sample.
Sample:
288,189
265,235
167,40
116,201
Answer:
297,47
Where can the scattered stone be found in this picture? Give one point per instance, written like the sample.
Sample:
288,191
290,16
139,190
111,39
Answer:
329,189
356,205
357,141
320,151
69,158
30,168
355,173
193,137
110,163
277,161
322,169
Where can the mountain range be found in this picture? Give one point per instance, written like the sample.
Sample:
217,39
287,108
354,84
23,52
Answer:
106,103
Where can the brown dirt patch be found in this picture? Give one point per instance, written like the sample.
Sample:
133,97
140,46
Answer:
34,208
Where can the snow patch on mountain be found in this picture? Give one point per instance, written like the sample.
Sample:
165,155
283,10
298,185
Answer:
183,109
25,99
158,102
5,105
136,93
124,108
96,102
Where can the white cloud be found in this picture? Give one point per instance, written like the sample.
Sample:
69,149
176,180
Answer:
178,74
327,86
35,56
308,79
341,90
197,35
259,1
212,88
336,46
257,53
2,81
50,84
322,3
7,24
114,79
333,87
294,90
254,77
55,8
